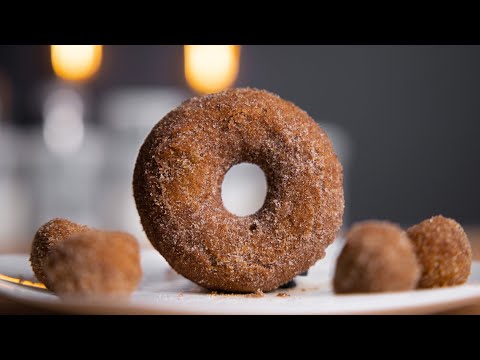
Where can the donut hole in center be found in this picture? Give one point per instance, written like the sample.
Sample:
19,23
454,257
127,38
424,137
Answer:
244,189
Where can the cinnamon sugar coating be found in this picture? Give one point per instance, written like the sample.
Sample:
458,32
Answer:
94,264
177,188
46,238
443,250
377,257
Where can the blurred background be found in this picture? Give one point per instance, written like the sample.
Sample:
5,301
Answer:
404,120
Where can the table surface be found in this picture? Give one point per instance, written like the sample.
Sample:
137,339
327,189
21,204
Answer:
8,307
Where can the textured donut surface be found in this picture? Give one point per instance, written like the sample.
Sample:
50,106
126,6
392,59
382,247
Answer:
177,188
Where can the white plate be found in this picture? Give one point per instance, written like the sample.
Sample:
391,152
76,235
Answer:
162,291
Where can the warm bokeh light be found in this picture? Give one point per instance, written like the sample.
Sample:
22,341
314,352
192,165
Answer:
22,282
211,68
63,127
76,62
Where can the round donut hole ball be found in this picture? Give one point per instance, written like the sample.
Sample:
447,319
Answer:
377,257
94,264
46,238
443,250
177,187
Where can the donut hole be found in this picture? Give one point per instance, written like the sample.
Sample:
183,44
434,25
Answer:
244,189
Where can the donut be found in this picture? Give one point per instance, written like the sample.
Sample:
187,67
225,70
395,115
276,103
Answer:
46,238
177,188
443,250
377,257
94,264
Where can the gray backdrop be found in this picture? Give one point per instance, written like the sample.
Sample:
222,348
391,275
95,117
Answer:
412,113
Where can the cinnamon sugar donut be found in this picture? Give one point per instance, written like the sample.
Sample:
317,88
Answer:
177,188
377,257
94,264
444,251
47,237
